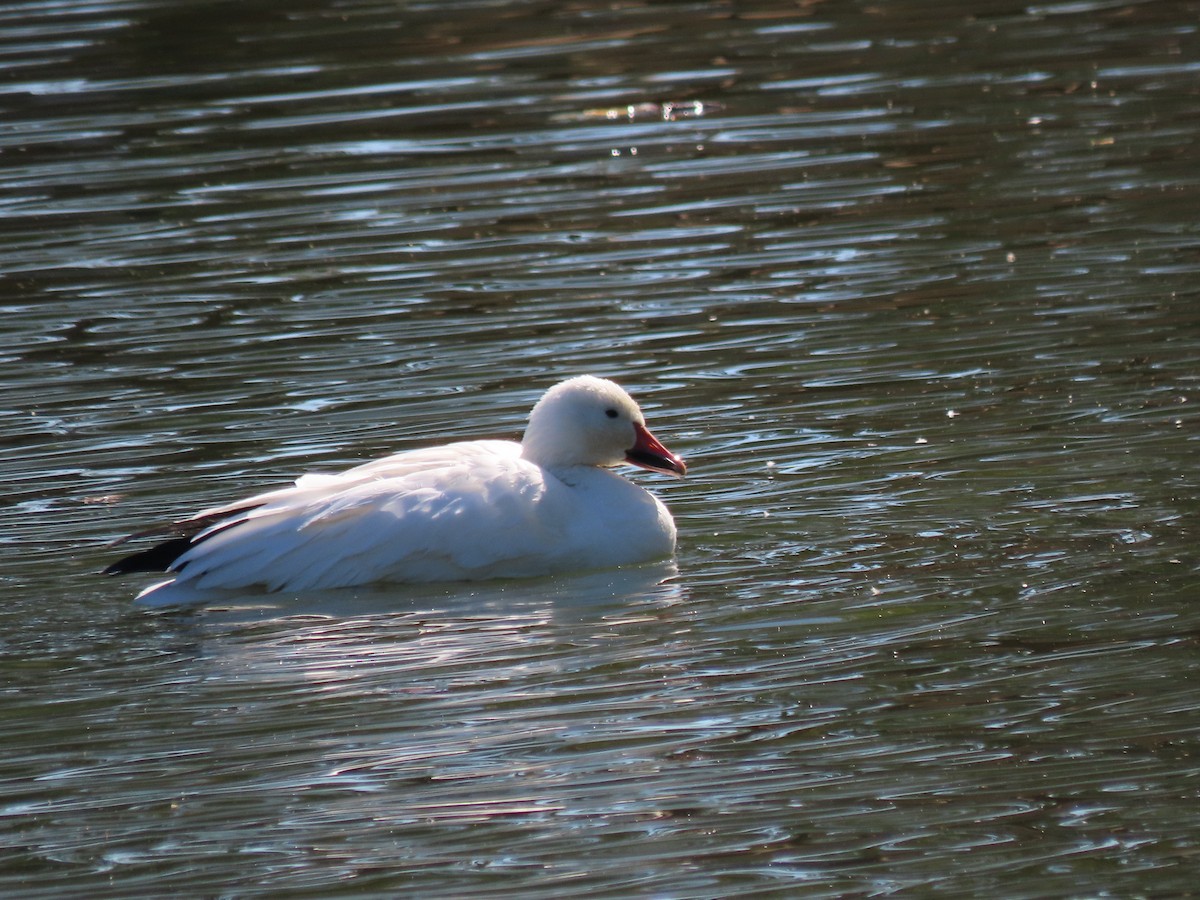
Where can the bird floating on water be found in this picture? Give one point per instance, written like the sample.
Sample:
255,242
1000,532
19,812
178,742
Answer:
462,511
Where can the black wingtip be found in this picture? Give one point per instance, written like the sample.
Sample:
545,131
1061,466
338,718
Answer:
182,536
156,559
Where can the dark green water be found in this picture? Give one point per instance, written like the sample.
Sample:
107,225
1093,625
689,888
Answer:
912,286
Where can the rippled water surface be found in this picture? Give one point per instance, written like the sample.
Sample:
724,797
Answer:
913,287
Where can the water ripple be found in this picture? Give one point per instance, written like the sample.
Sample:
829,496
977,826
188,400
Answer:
909,288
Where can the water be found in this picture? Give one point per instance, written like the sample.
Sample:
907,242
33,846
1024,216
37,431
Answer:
912,288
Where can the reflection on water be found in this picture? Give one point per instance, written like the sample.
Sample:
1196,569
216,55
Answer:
909,286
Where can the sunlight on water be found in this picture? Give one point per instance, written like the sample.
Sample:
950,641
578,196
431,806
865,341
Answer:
910,288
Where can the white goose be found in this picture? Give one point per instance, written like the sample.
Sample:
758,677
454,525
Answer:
459,512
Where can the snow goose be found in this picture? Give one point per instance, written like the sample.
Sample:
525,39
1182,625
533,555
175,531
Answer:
462,511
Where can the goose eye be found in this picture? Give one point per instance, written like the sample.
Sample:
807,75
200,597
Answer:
611,413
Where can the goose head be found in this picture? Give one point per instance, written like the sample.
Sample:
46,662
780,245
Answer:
589,421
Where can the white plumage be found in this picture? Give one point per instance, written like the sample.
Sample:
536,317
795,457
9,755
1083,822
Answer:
463,511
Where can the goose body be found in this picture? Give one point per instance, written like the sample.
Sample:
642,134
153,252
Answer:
462,511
